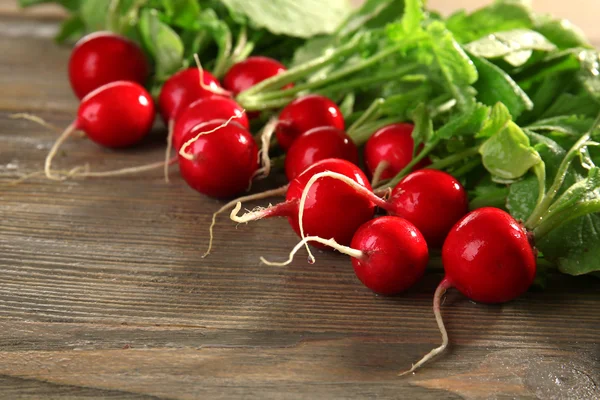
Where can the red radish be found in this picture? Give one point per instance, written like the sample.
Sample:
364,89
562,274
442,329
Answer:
104,57
432,200
396,255
318,144
184,88
118,114
389,150
332,209
488,257
251,71
389,254
218,158
304,114
205,110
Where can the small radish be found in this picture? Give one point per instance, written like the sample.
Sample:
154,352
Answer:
432,200
184,88
488,256
218,158
251,71
304,114
389,150
389,254
332,208
104,57
118,114
205,110
318,144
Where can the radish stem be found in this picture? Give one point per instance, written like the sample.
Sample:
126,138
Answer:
370,113
381,167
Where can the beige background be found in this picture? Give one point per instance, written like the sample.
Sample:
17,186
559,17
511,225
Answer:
584,13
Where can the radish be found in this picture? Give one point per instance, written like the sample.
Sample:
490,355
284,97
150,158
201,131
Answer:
251,71
332,210
180,90
432,200
204,110
389,254
184,88
219,158
488,256
104,57
318,144
389,150
118,114
304,114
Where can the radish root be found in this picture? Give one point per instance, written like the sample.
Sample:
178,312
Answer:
356,186
257,213
119,172
328,242
257,196
171,126
265,138
61,139
439,293
217,91
190,157
39,121
381,167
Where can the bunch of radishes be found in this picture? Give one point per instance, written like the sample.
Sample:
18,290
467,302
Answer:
487,255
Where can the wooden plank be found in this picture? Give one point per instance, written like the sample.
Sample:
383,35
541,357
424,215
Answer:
103,291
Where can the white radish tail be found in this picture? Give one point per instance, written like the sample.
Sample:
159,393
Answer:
328,242
238,202
439,293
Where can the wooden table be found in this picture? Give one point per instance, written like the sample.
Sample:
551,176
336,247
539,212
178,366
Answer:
103,293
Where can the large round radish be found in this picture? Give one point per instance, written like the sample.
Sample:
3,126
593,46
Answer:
432,200
332,209
304,114
389,255
318,144
118,114
104,57
222,159
251,71
205,110
184,88
389,150
488,257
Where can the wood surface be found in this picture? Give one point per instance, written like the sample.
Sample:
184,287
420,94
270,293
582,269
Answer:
104,294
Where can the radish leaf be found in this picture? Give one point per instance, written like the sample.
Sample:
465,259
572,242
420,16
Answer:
299,18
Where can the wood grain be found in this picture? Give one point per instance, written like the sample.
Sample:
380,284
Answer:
104,294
